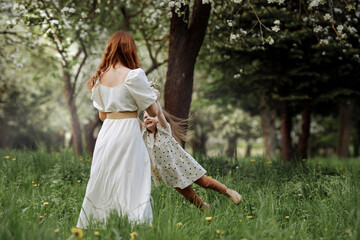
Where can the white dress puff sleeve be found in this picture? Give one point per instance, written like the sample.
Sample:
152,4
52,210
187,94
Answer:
95,96
140,90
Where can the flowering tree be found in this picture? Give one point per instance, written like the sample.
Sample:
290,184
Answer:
287,60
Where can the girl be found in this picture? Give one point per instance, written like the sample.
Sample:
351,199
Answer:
120,177
172,164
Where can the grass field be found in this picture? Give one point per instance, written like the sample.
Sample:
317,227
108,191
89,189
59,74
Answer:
41,195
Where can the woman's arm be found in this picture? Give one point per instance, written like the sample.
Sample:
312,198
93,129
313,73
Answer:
153,110
102,116
161,117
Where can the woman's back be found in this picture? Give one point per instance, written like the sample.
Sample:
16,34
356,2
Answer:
124,90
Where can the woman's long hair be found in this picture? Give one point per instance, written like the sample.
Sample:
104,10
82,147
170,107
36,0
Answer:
121,49
178,127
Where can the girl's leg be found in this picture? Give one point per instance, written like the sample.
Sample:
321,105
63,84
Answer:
192,197
210,183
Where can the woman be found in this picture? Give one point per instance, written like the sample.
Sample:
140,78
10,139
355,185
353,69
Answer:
120,171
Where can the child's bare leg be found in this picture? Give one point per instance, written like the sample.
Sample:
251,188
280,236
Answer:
192,197
210,183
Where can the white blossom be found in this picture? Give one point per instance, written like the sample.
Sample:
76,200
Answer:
72,10
327,17
54,21
270,40
280,2
277,22
234,36
97,10
275,28
323,42
237,1
206,1
317,29
83,15
65,9
229,22
237,76
340,28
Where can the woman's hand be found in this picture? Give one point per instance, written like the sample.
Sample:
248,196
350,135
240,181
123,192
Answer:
156,92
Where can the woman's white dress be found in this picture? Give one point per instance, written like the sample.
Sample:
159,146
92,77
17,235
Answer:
170,162
120,177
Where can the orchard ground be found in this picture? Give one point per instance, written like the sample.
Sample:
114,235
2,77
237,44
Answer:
41,195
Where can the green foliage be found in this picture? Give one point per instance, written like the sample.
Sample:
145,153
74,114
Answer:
319,196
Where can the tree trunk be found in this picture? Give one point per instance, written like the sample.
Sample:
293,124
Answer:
75,123
198,144
357,139
89,134
345,126
268,117
286,125
185,42
248,150
231,151
305,131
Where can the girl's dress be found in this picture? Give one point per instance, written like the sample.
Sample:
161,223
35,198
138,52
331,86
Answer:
170,162
120,177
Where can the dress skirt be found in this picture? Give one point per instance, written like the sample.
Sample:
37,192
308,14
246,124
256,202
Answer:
120,177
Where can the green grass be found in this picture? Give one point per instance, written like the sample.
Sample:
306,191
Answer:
322,201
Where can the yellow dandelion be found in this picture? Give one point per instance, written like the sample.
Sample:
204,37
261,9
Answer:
269,163
252,160
32,182
208,219
222,233
45,203
35,185
7,157
81,159
319,163
179,224
230,172
325,229
41,217
217,231
14,159
244,239
79,181
133,234
303,160
96,233
249,217
217,170
78,232
287,217
240,220
56,230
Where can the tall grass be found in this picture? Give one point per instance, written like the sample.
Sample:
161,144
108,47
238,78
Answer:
316,199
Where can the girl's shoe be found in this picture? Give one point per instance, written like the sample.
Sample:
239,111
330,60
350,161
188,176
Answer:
205,207
234,196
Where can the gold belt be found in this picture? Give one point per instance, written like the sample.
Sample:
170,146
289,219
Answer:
121,115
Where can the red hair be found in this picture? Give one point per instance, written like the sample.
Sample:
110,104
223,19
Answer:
121,49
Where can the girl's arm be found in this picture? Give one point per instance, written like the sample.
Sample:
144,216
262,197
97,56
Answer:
161,117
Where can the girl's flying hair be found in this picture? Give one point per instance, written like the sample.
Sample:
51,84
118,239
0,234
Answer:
178,127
